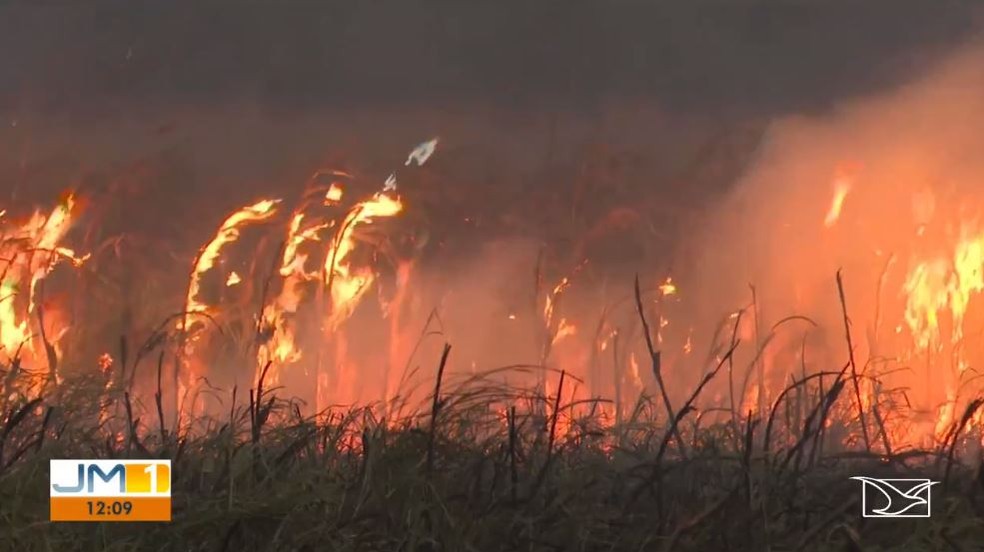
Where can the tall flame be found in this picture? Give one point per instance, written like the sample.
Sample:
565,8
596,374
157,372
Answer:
941,290
227,233
347,284
30,252
281,347
944,285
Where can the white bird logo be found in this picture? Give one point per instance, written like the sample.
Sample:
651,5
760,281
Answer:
898,503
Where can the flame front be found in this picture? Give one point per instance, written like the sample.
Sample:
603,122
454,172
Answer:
227,233
938,295
30,252
346,283
944,285
329,259
280,348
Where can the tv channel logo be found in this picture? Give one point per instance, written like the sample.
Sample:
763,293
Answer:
110,490
898,498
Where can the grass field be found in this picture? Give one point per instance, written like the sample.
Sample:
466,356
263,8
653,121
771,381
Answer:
461,475
475,464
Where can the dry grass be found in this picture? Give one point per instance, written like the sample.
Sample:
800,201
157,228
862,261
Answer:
460,475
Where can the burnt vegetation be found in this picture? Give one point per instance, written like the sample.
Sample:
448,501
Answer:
472,463
460,472
459,475
177,112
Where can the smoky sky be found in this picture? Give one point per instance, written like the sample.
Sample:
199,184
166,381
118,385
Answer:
591,127
105,59
542,107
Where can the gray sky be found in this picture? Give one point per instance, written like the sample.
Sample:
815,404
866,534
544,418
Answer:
104,59
240,99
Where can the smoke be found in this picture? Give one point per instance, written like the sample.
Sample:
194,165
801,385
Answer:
589,128
910,160
148,56
216,105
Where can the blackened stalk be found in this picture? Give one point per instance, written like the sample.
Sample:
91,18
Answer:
968,414
130,429
618,383
657,370
44,427
551,439
759,365
796,385
731,377
436,407
556,414
854,370
513,475
688,407
49,350
158,400
13,419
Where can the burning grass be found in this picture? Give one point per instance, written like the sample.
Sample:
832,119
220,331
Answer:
298,416
480,464
457,472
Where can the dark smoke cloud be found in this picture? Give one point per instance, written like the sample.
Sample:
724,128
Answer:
238,99
108,58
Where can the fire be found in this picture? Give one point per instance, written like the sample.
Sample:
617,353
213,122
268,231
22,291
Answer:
228,233
564,329
844,180
13,334
327,262
944,285
105,362
968,279
344,282
668,287
334,193
928,294
281,348
347,284
842,187
551,300
30,252
633,373
938,295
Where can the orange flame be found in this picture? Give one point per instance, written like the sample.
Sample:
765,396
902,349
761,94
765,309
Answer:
668,287
334,193
551,300
31,251
564,329
944,285
281,348
347,284
228,233
842,187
